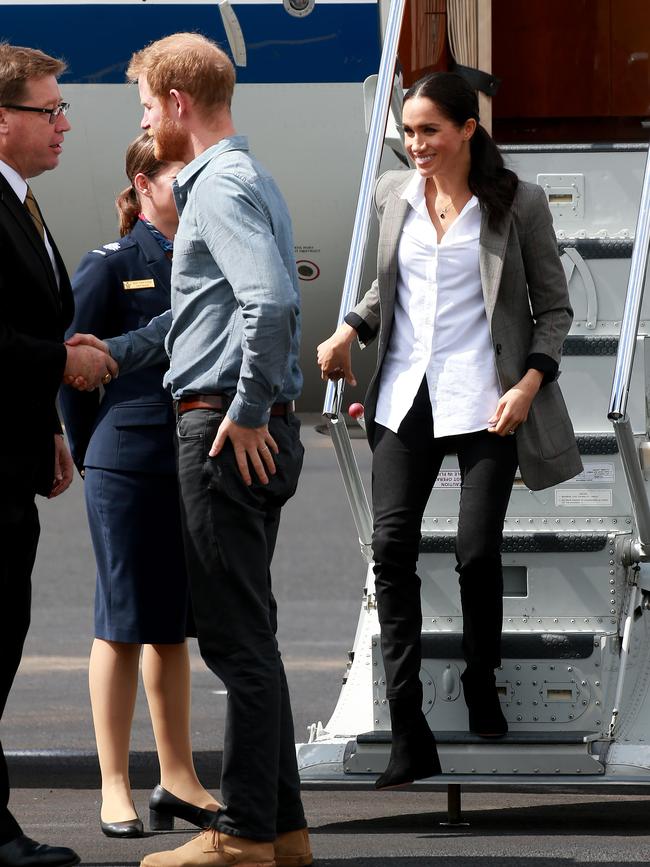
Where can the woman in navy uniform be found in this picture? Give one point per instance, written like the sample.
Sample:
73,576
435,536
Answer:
123,445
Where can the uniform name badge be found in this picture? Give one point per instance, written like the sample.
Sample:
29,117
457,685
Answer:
134,285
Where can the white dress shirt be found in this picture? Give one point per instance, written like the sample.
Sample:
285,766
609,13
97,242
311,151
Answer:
19,186
440,327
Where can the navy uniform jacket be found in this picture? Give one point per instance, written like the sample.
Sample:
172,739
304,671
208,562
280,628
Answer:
117,288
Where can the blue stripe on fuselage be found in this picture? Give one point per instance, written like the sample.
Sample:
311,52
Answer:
335,43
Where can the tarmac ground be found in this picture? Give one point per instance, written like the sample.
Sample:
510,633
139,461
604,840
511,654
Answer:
396,829
318,581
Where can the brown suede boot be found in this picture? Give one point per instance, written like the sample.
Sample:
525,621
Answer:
214,849
292,849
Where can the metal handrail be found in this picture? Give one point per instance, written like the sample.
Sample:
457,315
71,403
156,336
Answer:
352,480
623,372
633,301
353,484
376,134
635,484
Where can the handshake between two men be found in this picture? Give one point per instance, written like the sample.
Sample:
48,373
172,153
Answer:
89,363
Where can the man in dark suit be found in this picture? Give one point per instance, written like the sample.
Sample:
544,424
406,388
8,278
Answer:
36,308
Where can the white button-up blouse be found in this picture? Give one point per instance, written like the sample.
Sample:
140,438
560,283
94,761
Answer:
440,328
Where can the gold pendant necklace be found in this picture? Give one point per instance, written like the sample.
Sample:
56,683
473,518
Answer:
443,214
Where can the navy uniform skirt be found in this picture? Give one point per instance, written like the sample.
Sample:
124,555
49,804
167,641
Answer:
142,589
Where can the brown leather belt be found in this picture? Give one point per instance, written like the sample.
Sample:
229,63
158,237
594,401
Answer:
223,401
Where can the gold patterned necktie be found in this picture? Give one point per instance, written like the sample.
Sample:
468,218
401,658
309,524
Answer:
35,213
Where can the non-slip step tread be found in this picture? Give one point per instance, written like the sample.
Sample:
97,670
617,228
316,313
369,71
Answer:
518,645
590,345
535,543
597,444
598,248
512,738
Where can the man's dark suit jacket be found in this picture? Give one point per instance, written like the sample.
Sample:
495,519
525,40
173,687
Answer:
34,314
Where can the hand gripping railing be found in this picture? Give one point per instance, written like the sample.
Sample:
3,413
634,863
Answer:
351,285
623,371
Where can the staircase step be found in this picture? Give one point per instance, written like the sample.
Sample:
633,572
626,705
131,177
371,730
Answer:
598,248
515,543
541,738
597,444
586,345
515,645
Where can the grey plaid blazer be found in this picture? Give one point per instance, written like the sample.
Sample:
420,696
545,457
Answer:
528,311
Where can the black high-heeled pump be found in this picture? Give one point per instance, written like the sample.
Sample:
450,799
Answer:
165,807
128,828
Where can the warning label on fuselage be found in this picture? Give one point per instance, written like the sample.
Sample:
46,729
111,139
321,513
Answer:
583,498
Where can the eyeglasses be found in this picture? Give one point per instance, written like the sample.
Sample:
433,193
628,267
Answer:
62,108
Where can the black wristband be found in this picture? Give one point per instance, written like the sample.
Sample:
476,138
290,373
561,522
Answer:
545,364
355,321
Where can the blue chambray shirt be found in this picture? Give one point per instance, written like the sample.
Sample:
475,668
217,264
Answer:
235,314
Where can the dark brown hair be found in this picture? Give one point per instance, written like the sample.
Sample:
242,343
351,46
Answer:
19,64
140,159
491,182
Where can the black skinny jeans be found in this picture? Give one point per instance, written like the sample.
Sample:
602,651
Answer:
229,533
404,468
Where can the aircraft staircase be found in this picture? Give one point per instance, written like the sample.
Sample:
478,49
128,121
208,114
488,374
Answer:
575,677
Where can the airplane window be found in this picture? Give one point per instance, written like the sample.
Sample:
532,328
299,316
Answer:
299,8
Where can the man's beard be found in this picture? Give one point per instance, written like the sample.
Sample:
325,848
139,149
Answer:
171,141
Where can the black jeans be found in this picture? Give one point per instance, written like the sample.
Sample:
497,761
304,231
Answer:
230,532
404,468
18,540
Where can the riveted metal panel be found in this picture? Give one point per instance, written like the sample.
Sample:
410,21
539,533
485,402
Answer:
561,686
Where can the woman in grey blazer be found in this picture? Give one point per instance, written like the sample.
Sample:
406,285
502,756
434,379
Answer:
470,307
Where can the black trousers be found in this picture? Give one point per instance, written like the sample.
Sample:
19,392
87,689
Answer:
230,532
19,538
404,468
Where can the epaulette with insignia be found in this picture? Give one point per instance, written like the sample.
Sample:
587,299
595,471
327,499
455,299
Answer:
108,249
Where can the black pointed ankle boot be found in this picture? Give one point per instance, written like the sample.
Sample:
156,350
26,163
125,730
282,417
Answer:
486,718
413,754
